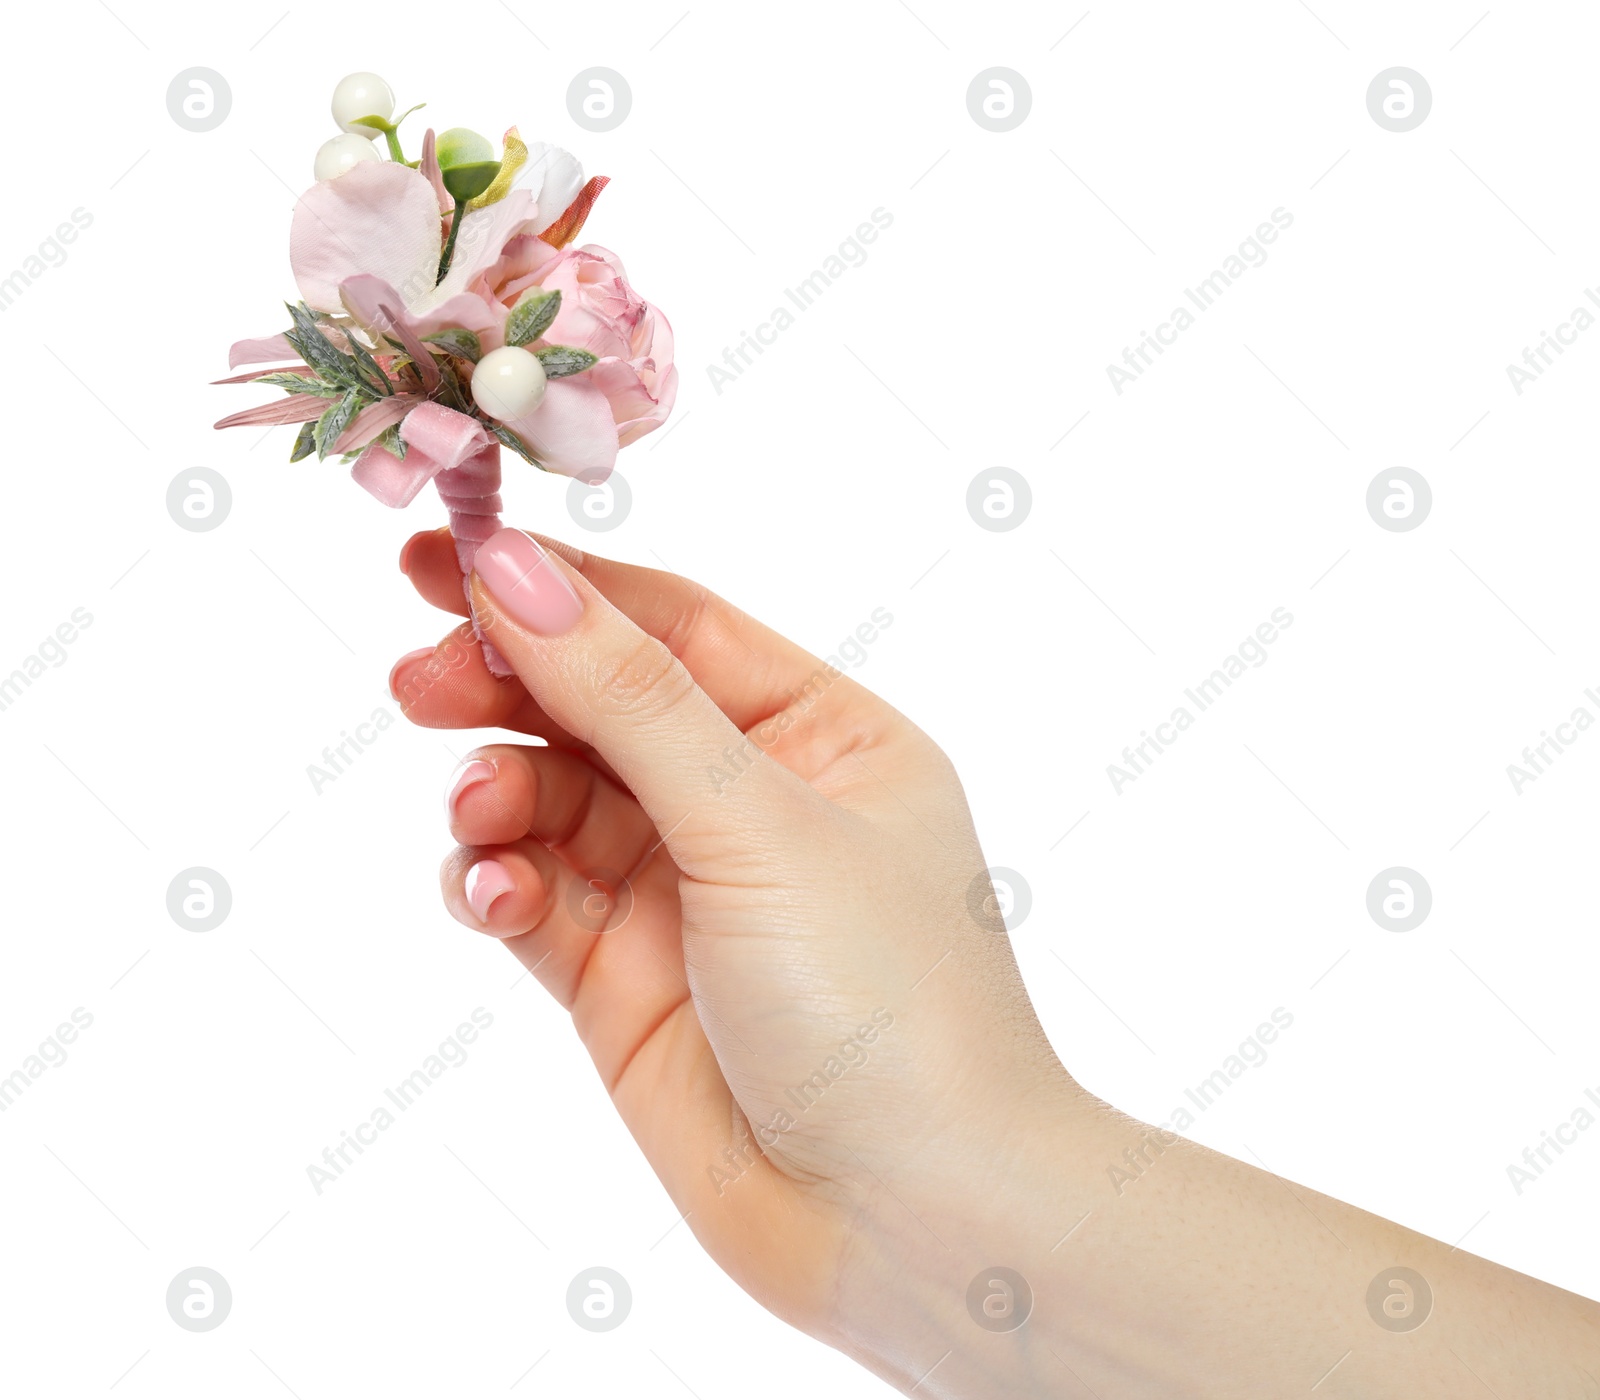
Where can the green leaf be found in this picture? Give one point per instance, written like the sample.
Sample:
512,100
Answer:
515,443
391,439
458,342
371,370
304,443
562,360
331,363
335,420
531,317
300,384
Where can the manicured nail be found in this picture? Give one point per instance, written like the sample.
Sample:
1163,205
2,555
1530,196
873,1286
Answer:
403,662
520,576
485,883
471,772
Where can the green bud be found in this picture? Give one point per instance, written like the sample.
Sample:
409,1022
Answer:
466,162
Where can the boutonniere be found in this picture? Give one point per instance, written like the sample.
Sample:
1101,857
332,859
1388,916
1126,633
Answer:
444,314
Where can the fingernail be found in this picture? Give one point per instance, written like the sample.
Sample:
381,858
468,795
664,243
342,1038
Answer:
520,576
485,883
471,772
404,661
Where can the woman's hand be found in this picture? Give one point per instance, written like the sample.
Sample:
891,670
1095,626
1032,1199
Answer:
757,889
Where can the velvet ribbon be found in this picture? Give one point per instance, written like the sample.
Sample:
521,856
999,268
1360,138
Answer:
462,459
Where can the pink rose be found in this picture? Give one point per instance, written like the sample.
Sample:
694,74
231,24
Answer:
601,313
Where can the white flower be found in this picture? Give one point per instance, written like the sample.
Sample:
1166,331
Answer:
554,176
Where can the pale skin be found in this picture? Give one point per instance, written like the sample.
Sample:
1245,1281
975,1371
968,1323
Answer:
860,1186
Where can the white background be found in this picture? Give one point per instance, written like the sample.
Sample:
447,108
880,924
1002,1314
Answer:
829,480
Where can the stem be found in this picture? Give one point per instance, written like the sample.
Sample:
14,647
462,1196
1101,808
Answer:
391,134
450,242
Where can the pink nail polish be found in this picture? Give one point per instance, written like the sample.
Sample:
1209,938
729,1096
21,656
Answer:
406,660
485,883
523,580
471,772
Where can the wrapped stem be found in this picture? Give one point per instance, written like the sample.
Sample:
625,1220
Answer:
471,493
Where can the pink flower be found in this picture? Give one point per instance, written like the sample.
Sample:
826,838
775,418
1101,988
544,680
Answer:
366,245
601,313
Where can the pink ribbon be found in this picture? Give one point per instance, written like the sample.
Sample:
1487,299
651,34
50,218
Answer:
462,459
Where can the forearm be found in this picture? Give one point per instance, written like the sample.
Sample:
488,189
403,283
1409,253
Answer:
1200,1277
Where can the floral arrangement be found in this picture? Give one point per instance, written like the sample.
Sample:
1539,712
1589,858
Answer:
444,315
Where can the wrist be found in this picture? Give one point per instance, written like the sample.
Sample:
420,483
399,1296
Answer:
953,1258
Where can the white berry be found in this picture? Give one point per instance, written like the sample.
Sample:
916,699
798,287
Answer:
362,95
337,154
508,383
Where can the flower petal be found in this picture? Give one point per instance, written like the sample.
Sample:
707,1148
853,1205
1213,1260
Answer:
638,403
378,307
572,431
555,178
297,408
250,374
569,223
372,420
380,218
483,237
429,166
254,352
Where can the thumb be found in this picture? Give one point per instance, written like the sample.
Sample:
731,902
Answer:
612,685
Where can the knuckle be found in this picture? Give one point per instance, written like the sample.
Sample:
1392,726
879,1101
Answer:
645,681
